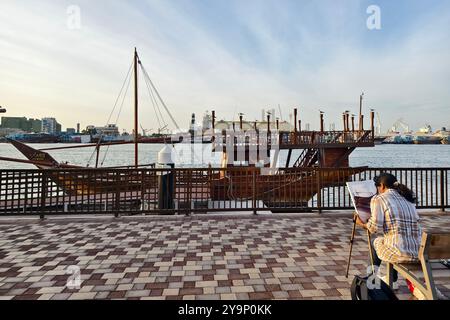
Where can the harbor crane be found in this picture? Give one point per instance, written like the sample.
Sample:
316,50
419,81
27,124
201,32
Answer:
145,131
279,110
400,123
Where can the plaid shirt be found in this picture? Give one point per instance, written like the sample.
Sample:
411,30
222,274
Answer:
398,219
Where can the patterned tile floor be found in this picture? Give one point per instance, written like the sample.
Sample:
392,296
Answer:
198,257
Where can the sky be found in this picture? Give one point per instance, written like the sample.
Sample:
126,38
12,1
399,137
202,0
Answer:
231,56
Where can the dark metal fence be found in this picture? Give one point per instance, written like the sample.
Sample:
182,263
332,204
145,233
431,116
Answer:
183,191
430,185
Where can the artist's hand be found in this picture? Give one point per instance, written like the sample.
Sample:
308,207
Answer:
360,223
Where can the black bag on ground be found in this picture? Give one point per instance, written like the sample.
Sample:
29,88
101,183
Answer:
360,291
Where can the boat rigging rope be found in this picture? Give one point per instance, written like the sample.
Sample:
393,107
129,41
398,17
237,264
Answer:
113,109
159,96
155,104
117,118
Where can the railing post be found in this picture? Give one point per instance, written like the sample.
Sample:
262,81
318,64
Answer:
442,191
319,190
190,210
143,186
43,194
254,192
117,197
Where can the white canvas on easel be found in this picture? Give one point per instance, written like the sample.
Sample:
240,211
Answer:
361,189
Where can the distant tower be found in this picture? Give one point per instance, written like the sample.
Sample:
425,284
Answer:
78,128
192,126
263,115
207,121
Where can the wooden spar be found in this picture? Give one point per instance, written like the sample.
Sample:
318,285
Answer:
353,123
36,163
136,144
345,124
87,145
299,125
240,122
295,119
97,156
288,160
295,125
321,122
213,120
347,121
62,166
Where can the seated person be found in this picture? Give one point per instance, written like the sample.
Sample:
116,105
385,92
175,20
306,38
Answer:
394,213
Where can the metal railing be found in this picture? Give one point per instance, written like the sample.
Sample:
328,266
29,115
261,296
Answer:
326,138
430,185
187,190
287,140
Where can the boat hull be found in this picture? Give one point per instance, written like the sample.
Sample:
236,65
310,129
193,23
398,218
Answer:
287,187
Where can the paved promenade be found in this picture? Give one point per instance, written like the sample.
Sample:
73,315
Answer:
296,256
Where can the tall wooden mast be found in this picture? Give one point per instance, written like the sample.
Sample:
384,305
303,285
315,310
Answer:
136,60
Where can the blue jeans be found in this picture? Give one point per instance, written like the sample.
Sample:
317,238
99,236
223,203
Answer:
377,260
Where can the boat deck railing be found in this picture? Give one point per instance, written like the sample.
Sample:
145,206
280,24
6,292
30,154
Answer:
327,139
296,140
186,190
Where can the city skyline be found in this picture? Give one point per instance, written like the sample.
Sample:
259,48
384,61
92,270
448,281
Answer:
230,56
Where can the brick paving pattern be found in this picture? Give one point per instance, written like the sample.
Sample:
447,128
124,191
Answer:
199,257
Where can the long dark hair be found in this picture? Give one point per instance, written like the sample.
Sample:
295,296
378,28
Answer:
390,181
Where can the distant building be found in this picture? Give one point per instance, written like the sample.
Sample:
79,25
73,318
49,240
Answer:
22,123
35,125
15,123
192,124
71,131
108,130
50,126
207,121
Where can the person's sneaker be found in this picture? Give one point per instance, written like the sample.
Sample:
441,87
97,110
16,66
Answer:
394,285
420,296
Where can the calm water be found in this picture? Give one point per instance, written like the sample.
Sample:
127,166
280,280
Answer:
379,156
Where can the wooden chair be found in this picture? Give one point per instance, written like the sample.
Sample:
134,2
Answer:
434,246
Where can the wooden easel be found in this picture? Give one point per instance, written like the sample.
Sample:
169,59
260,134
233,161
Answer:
352,239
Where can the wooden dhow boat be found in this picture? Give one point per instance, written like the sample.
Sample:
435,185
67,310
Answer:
292,184
298,181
